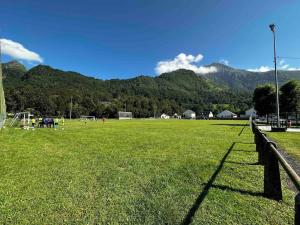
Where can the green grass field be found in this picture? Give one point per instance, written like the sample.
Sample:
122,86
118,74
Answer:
136,172
290,142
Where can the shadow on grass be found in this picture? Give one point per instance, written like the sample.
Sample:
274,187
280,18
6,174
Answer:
240,191
241,163
243,129
244,143
238,150
232,125
191,213
188,218
229,124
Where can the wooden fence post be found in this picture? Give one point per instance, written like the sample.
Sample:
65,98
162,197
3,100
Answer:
260,147
272,182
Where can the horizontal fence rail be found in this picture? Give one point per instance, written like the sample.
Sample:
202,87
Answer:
270,157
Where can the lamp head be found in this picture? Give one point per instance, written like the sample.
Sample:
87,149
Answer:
272,27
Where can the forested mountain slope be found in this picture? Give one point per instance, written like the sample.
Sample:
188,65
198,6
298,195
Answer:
47,91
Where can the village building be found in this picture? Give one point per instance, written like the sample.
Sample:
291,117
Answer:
189,114
164,116
251,113
124,115
226,114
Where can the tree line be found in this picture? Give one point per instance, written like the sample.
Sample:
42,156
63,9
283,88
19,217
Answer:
47,92
264,98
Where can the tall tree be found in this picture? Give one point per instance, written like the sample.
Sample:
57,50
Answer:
290,96
264,99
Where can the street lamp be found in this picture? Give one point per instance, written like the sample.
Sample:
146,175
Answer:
272,27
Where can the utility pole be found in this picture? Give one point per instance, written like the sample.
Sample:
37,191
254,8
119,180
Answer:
71,106
272,27
2,97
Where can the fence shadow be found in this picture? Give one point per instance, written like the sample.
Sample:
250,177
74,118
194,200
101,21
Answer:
228,124
245,143
241,163
241,132
239,150
240,191
188,218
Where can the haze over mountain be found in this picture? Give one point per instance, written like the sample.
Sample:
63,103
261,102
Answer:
48,91
245,80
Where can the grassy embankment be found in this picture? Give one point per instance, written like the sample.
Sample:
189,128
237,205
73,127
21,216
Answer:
289,141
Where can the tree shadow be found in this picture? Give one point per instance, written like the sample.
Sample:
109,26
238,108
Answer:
188,218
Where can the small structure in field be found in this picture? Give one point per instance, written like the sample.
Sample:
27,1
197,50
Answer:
210,115
176,116
23,119
189,114
87,118
226,114
124,115
251,113
165,116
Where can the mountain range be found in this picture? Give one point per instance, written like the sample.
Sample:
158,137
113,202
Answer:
47,91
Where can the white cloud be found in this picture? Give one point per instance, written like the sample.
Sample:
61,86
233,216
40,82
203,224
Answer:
293,69
282,65
183,61
281,62
224,61
260,69
285,66
18,51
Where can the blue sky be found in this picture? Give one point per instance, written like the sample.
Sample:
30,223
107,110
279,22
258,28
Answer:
121,39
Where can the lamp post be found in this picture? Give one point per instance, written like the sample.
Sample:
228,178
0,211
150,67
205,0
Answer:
272,27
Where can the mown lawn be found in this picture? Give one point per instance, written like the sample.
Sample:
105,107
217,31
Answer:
289,141
136,172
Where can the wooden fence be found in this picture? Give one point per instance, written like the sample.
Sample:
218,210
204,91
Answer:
270,158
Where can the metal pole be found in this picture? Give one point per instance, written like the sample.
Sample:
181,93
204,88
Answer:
71,106
272,27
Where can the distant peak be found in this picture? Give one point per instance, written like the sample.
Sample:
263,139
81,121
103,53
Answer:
14,65
13,62
220,66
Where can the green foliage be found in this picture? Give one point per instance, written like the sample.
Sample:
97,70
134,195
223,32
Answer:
264,99
290,96
48,91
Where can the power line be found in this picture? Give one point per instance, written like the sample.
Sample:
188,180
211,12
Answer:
286,57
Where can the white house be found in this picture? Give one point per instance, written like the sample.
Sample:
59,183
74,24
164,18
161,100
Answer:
251,112
210,115
165,116
226,114
125,115
189,114
176,116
